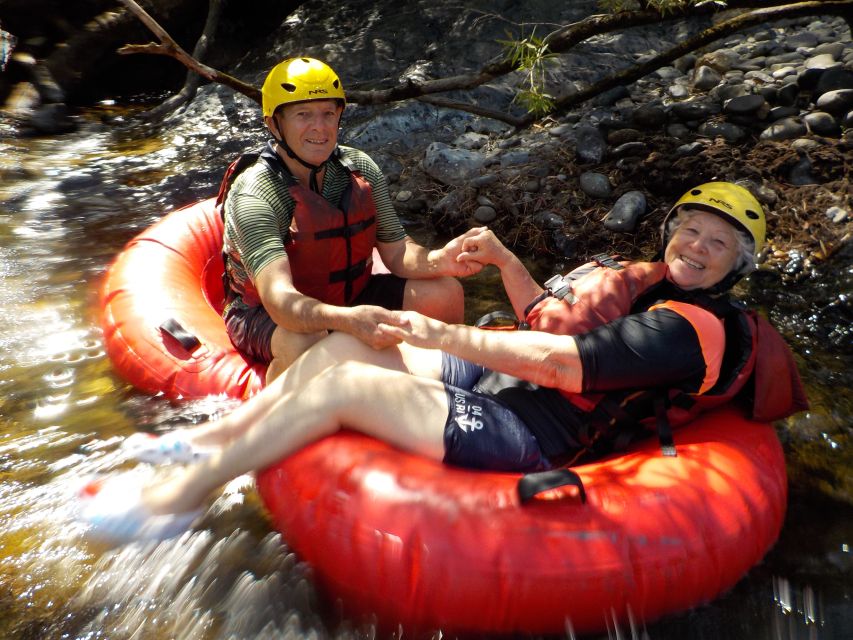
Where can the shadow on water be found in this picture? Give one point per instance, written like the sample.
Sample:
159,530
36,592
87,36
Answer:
67,206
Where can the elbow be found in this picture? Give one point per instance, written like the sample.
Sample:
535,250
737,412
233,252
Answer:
562,367
562,377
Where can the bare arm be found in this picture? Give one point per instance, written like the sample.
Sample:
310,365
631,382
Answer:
299,313
542,358
407,259
482,245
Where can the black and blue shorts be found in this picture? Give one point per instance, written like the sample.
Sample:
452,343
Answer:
481,432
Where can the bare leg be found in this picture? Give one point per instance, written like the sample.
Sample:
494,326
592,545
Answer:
286,347
439,298
333,350
405,410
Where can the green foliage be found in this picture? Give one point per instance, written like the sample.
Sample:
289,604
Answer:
662,6
530,55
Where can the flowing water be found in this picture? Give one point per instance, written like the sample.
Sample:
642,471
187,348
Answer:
67,206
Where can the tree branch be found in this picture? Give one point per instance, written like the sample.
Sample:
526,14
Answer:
171,48
193,80
732,25
558,41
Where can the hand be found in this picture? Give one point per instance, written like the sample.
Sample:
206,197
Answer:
481,245
447,258
416,329
365,322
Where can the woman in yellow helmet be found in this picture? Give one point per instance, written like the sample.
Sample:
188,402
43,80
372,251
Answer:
302,220
585,380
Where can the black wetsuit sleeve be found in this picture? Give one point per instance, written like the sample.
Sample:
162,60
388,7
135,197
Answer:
642,350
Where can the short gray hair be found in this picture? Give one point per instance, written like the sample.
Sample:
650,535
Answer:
746,246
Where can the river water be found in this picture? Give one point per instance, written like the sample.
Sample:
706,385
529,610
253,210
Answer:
67,206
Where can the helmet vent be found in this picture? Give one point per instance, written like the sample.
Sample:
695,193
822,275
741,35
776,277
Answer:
336,84
751,214
695,192
290,88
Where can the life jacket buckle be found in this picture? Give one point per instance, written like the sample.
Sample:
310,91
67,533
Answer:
561,288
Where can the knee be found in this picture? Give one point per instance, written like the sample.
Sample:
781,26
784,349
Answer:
287,346
440,298
341,384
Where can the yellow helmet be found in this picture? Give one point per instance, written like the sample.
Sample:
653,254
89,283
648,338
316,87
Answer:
730,200
298,80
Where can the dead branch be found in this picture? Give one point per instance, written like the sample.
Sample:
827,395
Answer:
169,47
720,30
193,80
558,42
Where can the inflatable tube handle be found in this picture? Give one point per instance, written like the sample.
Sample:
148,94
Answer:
534,483
175,329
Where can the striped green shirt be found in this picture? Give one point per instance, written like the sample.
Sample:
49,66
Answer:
259,208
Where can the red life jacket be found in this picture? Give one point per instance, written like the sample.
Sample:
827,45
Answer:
330,249
757,365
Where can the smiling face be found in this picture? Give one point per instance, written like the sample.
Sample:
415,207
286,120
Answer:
702,251
309,128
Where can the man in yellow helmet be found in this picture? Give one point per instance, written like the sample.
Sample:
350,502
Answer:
301,225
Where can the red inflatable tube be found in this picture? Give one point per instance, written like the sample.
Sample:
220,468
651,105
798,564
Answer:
172,273
428,546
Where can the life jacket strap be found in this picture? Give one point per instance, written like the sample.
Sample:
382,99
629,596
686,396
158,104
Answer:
664,429
606,260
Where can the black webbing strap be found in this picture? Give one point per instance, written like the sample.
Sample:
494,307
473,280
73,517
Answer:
350,273
534,483
177,331
667,444
523,324
345,232
493,317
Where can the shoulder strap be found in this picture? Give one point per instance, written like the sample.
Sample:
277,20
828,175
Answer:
344,161
274,162
234,169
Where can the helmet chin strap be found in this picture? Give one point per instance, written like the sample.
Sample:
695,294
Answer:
315,168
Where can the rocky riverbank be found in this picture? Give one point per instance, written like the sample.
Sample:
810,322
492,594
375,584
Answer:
771,109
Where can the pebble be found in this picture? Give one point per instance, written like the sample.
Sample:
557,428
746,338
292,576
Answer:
548,220
778,113
747,104
514,158
706,78
690,149
595,185
403,196
591,145
726,130
626,211
630,149
822,124
836,101
787,94
485,214
785,129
